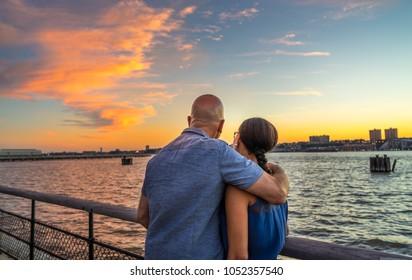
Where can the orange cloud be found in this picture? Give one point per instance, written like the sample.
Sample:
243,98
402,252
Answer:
125,117
187,11
87,63
50,133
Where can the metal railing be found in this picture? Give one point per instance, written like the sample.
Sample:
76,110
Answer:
309,249
28,238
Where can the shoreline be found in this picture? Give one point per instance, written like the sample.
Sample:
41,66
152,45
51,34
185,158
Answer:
65,157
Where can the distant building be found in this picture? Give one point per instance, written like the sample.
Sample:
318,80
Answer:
375,135
20,152
319,139
391,133
89,152
149,150
397,144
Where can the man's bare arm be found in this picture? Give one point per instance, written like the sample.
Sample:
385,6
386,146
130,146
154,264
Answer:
272,188
143,211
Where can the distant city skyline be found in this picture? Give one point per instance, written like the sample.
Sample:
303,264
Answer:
80,75
390,134
310,139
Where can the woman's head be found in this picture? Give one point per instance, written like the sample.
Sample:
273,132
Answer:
259,137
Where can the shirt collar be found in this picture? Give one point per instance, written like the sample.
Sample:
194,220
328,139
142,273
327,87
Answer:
196,131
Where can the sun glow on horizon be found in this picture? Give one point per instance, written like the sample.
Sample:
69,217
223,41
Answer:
122,75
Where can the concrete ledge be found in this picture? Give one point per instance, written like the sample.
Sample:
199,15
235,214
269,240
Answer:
3,256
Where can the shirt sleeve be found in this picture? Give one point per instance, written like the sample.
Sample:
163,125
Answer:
236,170
144,190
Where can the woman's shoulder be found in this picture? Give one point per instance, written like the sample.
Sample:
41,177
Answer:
240,195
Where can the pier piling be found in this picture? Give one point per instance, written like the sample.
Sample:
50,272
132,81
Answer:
381,164
127,160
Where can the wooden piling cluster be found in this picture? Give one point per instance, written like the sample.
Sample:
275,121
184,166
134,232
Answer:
127,160
381,164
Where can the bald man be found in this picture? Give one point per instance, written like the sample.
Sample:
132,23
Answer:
185,182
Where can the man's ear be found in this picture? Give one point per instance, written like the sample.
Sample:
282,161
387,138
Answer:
220,128
236,140
189,120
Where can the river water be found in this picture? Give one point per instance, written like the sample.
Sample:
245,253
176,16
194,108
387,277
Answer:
333,197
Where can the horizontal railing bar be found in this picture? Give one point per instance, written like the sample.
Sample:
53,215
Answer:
97,242
40,223
45,225
309,249
75,235
49,253
110,210
15,236
130,254
72,234
15,215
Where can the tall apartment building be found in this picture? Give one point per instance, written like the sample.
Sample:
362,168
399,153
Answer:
319,139
391,133
375,135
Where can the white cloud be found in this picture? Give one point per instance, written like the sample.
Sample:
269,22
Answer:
287,53
216,38
300,93
319,72
212,29
365,9
243,75
341,9
287,40
306,54
247,13
207,13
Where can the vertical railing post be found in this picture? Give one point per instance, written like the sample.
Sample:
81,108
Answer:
1,227
32,223
91,236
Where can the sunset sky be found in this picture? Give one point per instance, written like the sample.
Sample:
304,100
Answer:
80,75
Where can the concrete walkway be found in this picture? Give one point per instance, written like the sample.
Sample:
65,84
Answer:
4,256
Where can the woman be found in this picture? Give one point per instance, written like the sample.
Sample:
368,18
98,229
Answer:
253,228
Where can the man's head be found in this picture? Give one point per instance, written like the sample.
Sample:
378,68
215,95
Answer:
207,113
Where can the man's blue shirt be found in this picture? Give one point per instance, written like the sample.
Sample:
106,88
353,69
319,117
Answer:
185,185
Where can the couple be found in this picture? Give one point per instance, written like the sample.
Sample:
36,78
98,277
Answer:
185,184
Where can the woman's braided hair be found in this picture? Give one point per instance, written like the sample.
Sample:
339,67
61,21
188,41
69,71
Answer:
259,137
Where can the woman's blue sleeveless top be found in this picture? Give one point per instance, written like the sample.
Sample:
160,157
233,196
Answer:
267,229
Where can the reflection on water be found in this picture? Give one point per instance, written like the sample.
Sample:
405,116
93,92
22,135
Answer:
333,197
103,180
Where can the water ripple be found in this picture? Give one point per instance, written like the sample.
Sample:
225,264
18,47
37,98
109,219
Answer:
333,197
